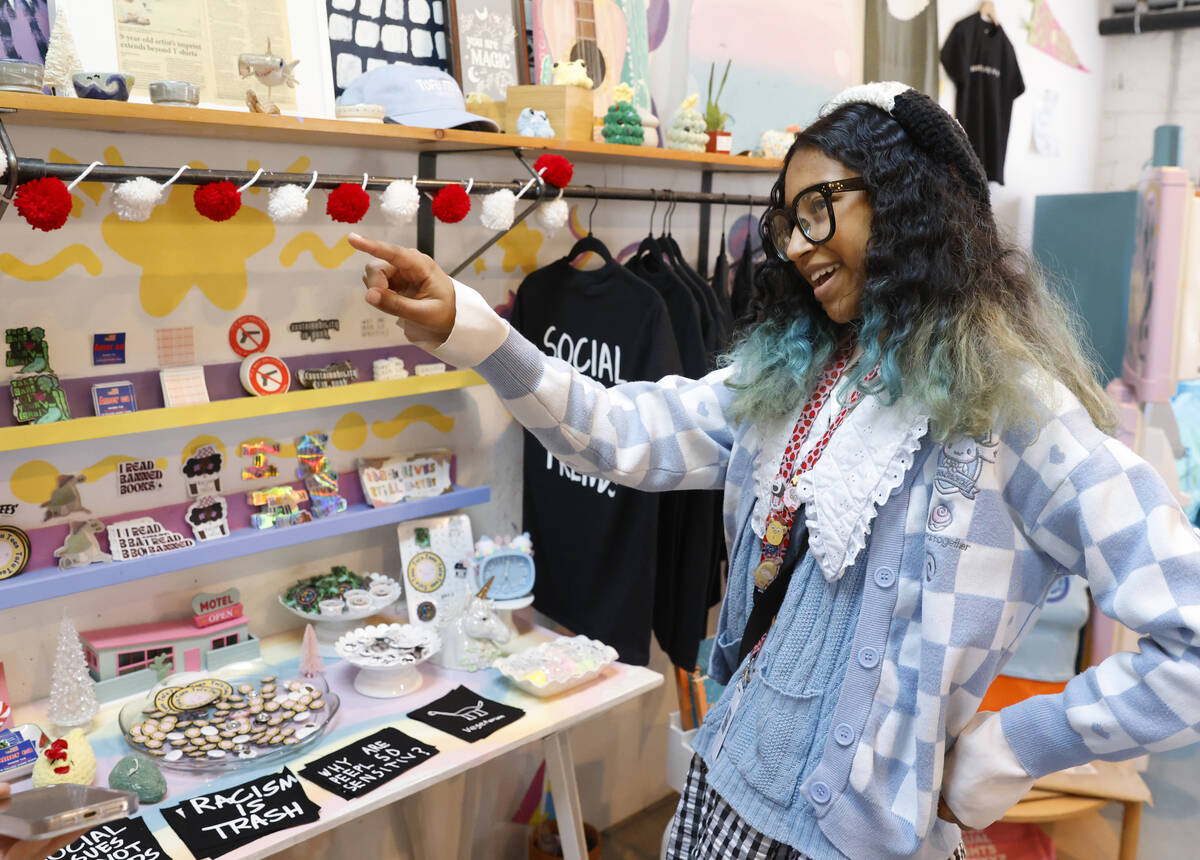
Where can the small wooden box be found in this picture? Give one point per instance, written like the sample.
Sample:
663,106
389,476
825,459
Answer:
494,111
569,109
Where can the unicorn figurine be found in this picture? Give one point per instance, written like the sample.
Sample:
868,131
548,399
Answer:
471,632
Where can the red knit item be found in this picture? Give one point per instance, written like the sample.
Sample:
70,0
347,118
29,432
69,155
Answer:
451,204
218,201
348,203
558,170
45,203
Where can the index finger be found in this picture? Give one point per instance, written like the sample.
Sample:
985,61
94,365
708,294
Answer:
409,263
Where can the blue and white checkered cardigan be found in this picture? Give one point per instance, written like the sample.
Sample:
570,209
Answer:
967,541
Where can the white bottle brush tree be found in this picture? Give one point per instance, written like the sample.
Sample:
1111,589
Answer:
72,695
62,58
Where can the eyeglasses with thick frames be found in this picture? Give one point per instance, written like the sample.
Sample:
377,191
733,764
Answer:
811,210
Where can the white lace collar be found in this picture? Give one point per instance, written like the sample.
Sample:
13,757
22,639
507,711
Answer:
866,460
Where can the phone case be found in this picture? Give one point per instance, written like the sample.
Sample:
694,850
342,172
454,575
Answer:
57,809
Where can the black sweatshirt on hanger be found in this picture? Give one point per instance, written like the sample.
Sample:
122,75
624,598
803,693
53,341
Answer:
596,543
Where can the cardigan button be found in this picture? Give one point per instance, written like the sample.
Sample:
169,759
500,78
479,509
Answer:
868,658
885,577
819,792
844,734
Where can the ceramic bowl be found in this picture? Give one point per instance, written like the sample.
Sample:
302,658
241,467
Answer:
107,86
181,93
556,666
20,76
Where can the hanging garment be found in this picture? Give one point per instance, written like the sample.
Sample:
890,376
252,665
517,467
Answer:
596,542
983,66
741,294
902,49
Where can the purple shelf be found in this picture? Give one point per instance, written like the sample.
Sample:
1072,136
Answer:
47,583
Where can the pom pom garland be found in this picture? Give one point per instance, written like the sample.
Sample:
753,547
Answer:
217,201
553,216
451,204
348,203
498,210
288,203
400,202
45,203
555,169
135,199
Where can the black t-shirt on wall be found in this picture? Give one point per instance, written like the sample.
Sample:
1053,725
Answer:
595,542
983,65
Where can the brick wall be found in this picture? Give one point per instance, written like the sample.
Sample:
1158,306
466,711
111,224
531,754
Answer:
1149,80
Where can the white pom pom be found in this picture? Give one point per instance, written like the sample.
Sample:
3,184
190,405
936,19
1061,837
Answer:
3,166
400,202
498,210
287,204
134,199
553,216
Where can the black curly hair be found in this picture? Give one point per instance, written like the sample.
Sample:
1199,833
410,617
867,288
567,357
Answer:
952,312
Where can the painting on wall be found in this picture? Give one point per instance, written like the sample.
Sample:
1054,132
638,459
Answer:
364,34
25,29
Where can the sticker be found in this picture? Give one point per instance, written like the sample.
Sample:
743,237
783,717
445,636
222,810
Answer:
8,510
249,334
209,518
128,839
108,348
280,507
374,328
212,825
138,476
319,478
466,714
429,369
263,375
366,764
81,547
386,481
202,472
27,349
260,468
388,368
426,571
175,346
39,399
64,498
14,551
114,398
143,537
330,376
184,386
315,329
426,610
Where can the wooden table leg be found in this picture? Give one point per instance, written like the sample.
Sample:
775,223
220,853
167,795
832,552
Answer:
1131,822
560,767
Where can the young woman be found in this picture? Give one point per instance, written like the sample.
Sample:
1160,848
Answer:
912,450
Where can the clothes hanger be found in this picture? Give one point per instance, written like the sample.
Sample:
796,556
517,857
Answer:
590,242
987,11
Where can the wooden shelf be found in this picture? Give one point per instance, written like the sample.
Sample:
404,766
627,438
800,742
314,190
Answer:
130,117
83,429
32,586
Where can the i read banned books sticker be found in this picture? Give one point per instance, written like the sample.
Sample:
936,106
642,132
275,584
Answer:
466,714
127,839
368,763
212,825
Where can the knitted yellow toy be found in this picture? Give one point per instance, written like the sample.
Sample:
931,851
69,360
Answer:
68,759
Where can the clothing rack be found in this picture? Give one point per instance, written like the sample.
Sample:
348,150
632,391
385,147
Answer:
21,170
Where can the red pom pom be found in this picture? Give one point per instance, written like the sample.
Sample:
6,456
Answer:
451,204
558,170
348,203
45,203
218,201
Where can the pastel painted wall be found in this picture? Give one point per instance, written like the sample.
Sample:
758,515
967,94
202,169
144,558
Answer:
99,275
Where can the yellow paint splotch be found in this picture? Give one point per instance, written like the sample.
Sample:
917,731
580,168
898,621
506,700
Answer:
350,432
66,258
178,249
330,258
33,482
480,265
520,246
412,415
199,442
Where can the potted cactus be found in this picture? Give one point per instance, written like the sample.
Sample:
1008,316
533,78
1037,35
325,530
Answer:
719,140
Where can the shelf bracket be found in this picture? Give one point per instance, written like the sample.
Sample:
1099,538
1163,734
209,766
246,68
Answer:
537,201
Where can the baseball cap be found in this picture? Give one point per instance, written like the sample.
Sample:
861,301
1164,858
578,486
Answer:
415,95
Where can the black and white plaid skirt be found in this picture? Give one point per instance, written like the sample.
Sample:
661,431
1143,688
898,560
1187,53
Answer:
705,826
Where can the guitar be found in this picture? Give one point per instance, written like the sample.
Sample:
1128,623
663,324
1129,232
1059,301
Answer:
593,31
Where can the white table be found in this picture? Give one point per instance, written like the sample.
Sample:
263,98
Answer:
547,721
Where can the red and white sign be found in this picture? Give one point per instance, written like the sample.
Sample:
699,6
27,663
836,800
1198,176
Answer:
226,613
265,374
249,334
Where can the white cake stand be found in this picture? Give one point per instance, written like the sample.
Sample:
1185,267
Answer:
330,628
387,657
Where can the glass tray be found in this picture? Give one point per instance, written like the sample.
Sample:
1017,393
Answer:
233,716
